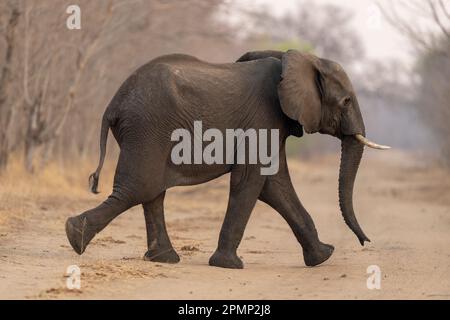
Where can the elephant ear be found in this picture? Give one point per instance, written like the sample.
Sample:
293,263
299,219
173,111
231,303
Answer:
300,89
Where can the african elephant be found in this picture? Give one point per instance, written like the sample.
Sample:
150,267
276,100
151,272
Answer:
289,91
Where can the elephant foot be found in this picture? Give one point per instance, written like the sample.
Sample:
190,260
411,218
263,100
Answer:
162,255
319,255
226,260
79,233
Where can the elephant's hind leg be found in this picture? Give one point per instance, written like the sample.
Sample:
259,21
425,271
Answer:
81,229
159,246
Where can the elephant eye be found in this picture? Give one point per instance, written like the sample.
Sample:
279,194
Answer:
347,101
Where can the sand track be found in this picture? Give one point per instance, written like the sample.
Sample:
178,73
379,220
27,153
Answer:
402,205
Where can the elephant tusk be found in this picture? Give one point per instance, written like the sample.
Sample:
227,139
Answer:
369,143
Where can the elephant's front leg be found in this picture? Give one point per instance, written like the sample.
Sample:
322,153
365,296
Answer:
279,193
159,246
246,184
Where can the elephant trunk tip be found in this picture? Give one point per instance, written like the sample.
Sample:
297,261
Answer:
362,239
354,226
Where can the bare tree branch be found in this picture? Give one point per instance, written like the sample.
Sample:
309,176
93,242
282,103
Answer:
437,20
444,9
425,41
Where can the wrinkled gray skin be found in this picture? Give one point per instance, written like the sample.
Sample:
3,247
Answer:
267,89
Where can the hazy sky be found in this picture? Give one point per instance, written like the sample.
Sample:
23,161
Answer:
379,38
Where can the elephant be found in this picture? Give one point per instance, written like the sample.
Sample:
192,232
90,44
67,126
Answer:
289,91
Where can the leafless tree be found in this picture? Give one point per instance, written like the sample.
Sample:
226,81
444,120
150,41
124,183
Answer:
46,112
432,41
55,82
435,26
8,33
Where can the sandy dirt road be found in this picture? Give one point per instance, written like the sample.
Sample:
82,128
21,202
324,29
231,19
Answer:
402,205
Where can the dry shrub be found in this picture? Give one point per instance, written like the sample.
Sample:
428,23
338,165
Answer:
22,193
434,96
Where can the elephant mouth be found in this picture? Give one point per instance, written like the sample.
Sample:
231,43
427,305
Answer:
369,143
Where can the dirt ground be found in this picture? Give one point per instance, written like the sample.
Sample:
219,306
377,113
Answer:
402,205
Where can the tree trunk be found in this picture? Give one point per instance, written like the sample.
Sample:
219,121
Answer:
5,86
4,151
29,155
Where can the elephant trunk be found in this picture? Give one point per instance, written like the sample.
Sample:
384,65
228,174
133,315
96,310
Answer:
351,153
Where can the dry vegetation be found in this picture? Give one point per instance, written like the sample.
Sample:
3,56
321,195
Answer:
22,192
430,36
55,84
403,205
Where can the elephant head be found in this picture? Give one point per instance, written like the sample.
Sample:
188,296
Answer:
319,95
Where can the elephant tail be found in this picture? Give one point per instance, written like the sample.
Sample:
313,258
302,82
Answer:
93,178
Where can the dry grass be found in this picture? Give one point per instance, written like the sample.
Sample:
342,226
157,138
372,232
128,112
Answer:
21,191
